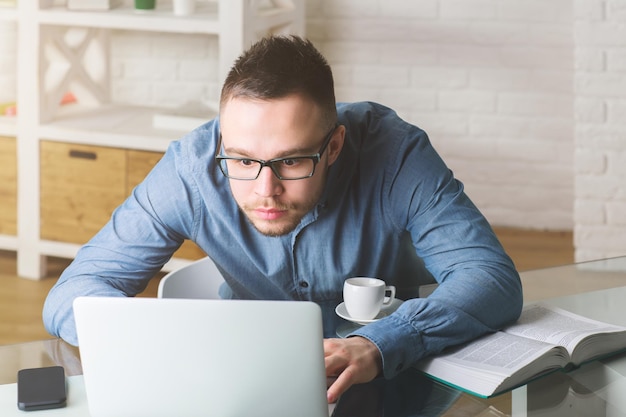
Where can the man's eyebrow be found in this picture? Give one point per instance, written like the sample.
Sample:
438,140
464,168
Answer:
289,152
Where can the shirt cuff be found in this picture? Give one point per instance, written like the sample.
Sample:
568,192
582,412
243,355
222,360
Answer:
400,345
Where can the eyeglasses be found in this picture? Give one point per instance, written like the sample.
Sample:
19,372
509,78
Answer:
290,168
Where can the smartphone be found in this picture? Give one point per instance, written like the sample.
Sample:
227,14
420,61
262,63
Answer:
41,388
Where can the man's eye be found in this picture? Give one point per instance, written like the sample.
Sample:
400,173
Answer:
289,163
247,162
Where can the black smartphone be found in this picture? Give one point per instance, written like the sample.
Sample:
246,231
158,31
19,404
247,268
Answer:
41,388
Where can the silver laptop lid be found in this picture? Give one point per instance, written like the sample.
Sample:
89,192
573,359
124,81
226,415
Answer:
224,358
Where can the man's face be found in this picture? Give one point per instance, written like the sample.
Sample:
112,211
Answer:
285,127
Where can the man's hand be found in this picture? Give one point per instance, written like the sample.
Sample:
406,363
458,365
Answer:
353,361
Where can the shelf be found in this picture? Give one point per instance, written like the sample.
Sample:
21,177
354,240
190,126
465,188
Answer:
8,242
162,19
8,126
114,126
8,14
69,250
59,249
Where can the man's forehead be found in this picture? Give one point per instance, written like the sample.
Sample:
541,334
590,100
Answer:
286,125
258,146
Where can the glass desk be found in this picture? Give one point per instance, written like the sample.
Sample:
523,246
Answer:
594,289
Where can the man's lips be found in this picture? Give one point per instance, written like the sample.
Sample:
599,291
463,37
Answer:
266,213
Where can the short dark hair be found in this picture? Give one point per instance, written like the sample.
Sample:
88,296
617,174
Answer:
278,66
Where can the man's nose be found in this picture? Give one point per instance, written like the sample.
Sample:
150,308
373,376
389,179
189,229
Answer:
267,184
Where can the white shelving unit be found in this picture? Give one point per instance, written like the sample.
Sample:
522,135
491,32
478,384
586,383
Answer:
8,127
44,25
7,124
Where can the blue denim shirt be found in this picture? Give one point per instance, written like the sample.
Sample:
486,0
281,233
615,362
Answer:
391,209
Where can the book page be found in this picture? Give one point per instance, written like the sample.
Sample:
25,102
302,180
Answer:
556,326
482,365
499,351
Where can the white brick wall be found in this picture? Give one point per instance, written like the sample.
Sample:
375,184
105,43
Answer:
600,129
163,70
491,81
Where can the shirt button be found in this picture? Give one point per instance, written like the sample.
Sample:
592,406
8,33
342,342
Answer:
399,367
304,284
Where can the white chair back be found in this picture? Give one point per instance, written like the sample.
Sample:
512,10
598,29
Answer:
200,280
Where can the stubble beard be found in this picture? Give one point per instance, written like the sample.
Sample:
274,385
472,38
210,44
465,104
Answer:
282,226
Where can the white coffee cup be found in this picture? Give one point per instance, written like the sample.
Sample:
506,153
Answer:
364,297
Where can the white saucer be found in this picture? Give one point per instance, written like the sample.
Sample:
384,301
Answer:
384,312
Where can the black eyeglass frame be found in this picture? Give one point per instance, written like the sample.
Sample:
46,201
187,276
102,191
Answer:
316,158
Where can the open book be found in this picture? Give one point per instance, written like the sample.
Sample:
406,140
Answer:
544,339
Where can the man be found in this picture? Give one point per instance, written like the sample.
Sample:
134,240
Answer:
290,194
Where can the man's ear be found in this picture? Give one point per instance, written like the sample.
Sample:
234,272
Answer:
336,144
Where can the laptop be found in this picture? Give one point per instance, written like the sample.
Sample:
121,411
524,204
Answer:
189,358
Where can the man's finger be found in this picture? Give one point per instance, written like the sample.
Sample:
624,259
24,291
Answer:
344,381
